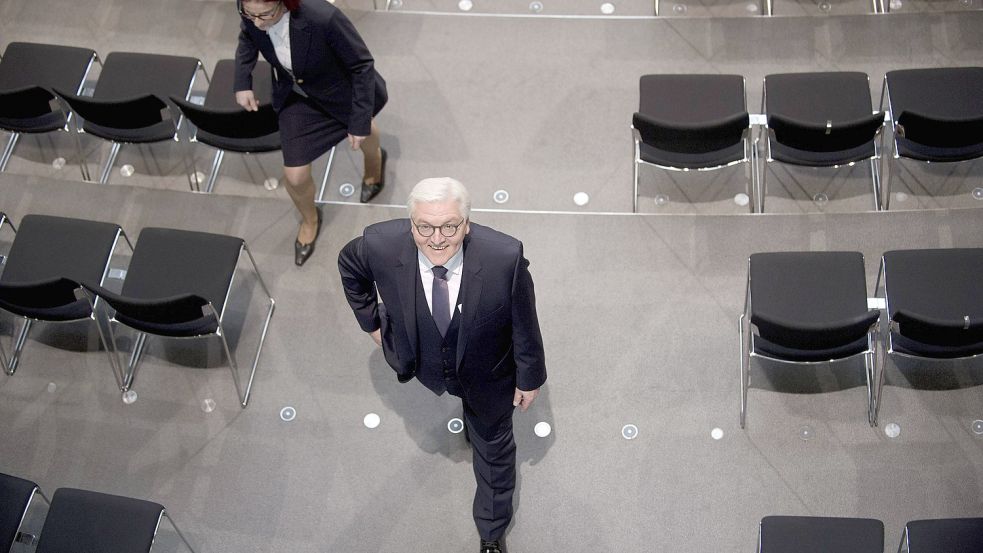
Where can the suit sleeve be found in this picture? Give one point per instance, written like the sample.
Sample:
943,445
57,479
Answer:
527,340
359,285
246,54
348,45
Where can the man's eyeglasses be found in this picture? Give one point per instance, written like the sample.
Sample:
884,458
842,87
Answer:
265,16
447,230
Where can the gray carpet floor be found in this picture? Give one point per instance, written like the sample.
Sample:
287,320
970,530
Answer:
540,107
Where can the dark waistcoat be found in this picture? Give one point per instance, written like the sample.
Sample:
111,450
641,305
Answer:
438,354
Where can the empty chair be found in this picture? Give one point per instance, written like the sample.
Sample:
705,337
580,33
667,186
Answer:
223,125
801,534
820,120
80,520
937,115
129,105
935,303
692,122
49,258
942,535
807,308
29,73
178,285
16,495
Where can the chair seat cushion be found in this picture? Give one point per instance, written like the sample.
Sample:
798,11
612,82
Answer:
47,300
777,351
30,110
14,494
787,154
708,160
784,534
268,143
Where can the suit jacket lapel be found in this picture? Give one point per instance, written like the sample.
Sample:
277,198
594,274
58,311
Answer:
408,267
471,288
300,42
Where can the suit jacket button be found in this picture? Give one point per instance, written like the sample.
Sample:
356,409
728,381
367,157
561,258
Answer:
300,81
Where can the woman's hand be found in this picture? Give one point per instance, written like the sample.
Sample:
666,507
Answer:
247,100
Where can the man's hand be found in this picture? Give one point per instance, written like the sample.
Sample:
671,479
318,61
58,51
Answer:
356,141
247,100
523,399
377,336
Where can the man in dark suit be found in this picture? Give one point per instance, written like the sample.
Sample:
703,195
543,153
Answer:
451,303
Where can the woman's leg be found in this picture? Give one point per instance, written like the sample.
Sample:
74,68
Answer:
372,154
300,187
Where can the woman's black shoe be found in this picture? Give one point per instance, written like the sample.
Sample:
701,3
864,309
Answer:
303,251
370,191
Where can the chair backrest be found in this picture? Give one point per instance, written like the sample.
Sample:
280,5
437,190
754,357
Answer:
49,66
168,263
15,495
945,535
80,520
807,534
128,75
938,112
809,300
691,114
48,247
936,295
220,90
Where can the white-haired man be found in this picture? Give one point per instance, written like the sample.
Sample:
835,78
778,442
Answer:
460,316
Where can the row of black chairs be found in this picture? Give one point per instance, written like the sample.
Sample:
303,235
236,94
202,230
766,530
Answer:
177,285
812,308
138,99
79,520
821,120
808,534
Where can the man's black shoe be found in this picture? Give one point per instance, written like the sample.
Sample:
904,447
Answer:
496,546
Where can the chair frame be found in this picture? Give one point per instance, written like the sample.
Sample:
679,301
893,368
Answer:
888,341
8,150
20,536
745,328
750,157
10,365
875,160
127,375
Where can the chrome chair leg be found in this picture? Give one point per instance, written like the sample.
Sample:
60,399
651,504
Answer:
216,166
327,175
8,150
19,346
113,154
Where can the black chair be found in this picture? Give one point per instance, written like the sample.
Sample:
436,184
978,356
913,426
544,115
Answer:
820,120
177,286
801,534
223,125
48,259
692,123
943,535
129,104
807,308
935,304
29,72
937,115
80,520
16,495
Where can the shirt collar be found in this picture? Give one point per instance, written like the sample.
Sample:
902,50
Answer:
453,265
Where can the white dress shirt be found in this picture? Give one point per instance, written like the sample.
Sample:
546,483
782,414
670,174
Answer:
279,34
454,266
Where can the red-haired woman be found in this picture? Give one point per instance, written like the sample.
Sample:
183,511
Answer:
325,89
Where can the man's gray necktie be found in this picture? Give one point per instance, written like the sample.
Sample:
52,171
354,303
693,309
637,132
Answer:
441,304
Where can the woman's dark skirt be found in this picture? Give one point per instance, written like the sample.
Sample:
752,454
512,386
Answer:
307,132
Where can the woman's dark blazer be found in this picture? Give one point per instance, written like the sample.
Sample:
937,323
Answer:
331,63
